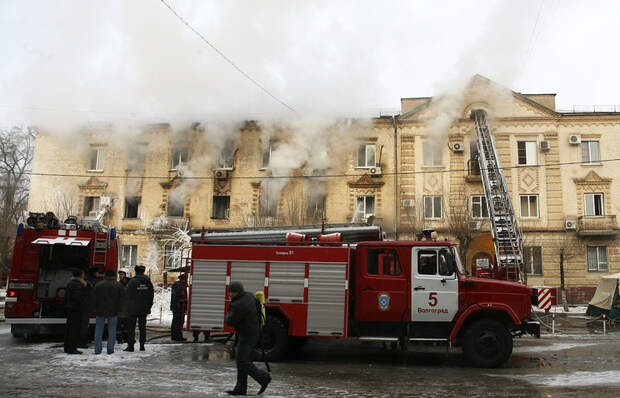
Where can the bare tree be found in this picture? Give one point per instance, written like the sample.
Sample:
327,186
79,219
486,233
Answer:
16,151
412,219
62,203
460,223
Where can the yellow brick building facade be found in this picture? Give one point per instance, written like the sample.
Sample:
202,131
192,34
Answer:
407,171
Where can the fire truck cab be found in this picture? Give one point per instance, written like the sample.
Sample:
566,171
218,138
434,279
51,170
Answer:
389,291
44,255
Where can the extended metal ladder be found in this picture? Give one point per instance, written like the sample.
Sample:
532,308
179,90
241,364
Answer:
507,236
100,249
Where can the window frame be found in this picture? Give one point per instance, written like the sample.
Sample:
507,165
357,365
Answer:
364,213
590,151
432,155
528,151
433,203
598,259
316,206
178,156
98,158
266,154
533,253
366,164
137,206
226,211
601,205
529,216
94,201
482,207
173,253
133,256
380,271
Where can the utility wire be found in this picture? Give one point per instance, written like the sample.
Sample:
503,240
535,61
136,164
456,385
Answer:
227,59
342,175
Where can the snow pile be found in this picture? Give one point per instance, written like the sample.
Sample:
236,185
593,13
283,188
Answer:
610,377
160,311
553,347
559,309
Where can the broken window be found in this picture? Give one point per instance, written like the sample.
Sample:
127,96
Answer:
132,204
267,205
178,157
91,206
315,208
96,159
221,207
172,256
176,206
227,156
129,257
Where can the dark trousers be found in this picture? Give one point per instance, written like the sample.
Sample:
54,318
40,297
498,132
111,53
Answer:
245,366
176,329
131,332
85,326
122,330
72,332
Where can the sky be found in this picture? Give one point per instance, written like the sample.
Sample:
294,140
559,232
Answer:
83,61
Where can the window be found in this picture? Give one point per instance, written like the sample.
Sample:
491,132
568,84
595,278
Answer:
597,258
526,152
135,157
96,159
533,260
227,156
132,203
590,152
365,207
267,205
383,262
266,157
529,206
221,207
594,204
172,256
427,262
366,155
176,206
129,257
432,154
479,207
315,208
432,207
178,157
91,206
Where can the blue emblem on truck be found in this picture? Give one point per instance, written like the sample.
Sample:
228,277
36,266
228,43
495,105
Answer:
384,301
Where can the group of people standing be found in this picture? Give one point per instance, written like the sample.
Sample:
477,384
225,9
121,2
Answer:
119,304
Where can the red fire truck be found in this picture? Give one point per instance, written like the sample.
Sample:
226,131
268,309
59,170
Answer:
44,255
338,285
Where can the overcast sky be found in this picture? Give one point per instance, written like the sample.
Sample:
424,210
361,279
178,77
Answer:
106,60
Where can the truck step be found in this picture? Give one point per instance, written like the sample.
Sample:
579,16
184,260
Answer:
369,338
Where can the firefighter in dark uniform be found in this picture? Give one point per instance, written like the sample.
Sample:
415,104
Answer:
121,332
75,294
89,305
243,317
140,299
178,303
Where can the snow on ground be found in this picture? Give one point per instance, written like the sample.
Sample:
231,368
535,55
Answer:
160,311
573,379
558,309
552,347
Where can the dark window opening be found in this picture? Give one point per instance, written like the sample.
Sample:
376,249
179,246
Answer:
132,203
221,207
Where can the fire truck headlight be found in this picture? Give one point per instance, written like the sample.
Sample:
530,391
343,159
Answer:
61,293
11,293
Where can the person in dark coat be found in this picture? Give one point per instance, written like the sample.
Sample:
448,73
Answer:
121,329
75,294
140,299
243,317
91,281
178,303
109,296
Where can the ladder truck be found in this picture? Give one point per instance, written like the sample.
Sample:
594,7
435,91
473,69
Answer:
44,255
348,282
507,236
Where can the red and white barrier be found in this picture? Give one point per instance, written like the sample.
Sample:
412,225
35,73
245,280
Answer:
546,298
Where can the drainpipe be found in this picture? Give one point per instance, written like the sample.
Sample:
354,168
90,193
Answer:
396,206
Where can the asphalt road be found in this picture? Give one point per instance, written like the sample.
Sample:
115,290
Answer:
554,366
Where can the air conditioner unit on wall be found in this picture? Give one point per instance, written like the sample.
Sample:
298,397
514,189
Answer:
221,174
474,225
458,146
375,171
408,203
545,146
105,201
93,213
570,224
574,139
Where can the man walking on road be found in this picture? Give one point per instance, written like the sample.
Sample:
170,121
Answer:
75,294
178,302
243,316
109,296
140,299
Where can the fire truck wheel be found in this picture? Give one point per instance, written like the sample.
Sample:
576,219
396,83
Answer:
17,332
275,340
487,343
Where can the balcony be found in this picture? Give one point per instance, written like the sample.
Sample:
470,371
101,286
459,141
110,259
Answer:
597,226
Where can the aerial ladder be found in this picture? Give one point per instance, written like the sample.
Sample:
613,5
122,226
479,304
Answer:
507,236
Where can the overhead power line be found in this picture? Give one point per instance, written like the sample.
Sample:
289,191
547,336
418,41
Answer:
341,175
250,78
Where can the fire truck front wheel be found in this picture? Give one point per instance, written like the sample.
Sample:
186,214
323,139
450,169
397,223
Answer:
274,341
487,343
